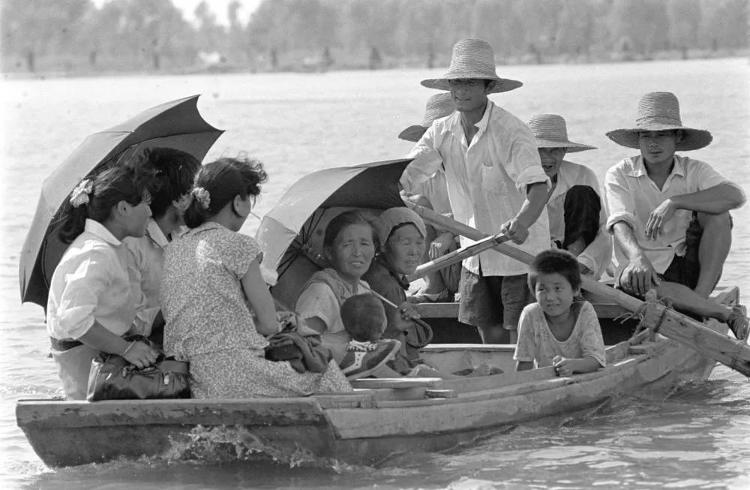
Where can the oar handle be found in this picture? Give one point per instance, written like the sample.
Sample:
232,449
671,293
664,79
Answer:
394,305
624,300
458,255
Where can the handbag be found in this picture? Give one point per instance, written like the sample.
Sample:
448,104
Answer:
299,345
113,378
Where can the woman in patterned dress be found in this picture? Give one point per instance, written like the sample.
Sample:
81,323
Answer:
217,308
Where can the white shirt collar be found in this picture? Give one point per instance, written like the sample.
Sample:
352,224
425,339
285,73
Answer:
481,125
154,232
100,231
639,167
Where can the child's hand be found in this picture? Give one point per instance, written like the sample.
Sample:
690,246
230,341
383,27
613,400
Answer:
562,365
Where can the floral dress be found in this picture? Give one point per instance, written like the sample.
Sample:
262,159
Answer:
537,343
209,324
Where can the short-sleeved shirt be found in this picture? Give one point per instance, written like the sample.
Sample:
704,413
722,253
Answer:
632,195
486,179
91,283
201,293
317,299
537,343
146,267
599,252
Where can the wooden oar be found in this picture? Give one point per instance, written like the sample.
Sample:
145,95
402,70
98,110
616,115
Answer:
458,255
671,324
418,321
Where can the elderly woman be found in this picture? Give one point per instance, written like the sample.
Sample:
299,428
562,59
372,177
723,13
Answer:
401,236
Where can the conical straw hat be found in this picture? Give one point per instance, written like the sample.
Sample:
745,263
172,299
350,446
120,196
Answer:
439,105
551,131
660,111
472,58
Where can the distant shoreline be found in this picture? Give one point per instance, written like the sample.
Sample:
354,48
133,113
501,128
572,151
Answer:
312,67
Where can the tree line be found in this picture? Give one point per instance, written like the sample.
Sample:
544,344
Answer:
145,35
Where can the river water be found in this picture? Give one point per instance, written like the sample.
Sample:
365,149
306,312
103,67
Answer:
696,437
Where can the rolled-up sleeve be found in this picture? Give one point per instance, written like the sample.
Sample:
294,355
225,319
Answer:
619,199
73,314
426,161
524,165
706,177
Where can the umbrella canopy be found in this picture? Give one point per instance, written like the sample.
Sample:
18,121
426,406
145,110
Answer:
291,234
176,124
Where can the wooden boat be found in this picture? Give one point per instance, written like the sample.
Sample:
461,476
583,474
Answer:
382,416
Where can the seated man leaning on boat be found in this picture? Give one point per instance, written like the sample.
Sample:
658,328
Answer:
577,218
670,214
441,285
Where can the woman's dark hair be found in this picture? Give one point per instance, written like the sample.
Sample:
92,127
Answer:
347,218
557,261
122,181
174,171
223,180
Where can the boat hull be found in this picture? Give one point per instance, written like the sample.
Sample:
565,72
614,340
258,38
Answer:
364,427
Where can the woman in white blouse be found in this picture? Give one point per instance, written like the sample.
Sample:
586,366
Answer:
91,305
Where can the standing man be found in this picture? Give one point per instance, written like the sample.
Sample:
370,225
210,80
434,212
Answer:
670,214
495,184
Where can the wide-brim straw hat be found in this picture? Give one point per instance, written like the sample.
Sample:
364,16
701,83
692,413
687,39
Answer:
439,105
472,58
551,131
660,111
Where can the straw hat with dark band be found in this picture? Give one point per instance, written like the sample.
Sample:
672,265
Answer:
551,131
660,111
472,59
439,105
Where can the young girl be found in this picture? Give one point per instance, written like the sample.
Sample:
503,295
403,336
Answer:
91,305
174,172
401,234
558,330
212,289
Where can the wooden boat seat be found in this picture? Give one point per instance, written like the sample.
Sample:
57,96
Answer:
396,383
603,308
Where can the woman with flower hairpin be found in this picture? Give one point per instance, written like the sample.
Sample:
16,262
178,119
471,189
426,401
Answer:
91,304
174,173
217,307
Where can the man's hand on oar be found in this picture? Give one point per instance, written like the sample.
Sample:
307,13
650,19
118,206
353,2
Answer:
458,255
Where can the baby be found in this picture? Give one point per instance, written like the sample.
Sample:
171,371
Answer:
364,319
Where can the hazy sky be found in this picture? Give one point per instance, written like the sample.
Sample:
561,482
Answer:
218,6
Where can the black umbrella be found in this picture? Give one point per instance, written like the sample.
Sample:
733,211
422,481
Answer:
176,124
